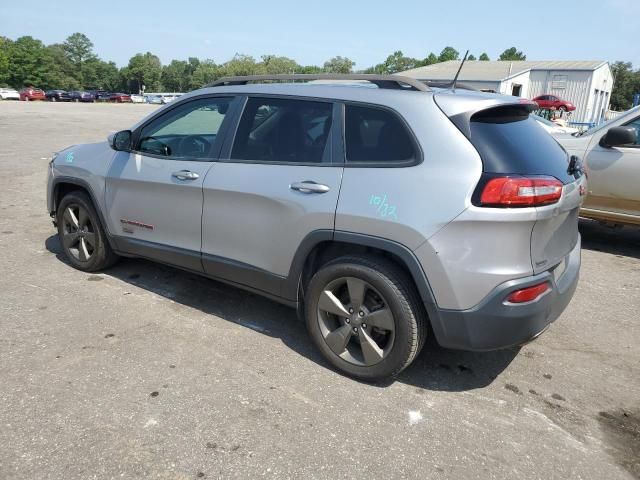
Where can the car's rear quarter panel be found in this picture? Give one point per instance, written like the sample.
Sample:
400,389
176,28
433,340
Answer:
410,204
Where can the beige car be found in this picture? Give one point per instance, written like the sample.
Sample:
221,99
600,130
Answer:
611,154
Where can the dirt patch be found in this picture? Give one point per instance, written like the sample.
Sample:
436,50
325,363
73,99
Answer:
621,429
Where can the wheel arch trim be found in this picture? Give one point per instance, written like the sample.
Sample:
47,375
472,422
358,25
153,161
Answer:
410,261
84,185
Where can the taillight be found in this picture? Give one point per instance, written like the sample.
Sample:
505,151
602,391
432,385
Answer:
520,192
529,294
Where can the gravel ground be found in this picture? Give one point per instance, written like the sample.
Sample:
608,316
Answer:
147,371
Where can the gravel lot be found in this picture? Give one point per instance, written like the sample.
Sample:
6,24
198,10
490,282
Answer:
147,371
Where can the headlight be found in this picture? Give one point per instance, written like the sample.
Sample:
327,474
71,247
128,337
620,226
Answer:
53,158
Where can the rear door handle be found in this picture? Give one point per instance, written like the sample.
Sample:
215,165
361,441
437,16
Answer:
185,175
309,186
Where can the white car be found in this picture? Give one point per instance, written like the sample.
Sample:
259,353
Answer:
9,94
137,99
611,154
554,128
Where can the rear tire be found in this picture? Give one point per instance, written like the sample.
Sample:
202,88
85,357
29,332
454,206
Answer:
365,317
81,234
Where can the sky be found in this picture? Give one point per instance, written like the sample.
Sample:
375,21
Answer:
311,32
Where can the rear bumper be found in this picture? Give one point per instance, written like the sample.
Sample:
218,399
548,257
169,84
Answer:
493,325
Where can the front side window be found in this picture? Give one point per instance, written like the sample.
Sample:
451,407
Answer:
186,132
284,130
377,135
635,124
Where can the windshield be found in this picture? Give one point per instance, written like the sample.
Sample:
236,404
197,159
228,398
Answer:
606,124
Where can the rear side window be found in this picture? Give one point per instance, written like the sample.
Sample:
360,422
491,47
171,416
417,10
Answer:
375,135
284,130
509,142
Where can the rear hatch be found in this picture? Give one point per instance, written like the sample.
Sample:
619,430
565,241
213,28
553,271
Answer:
511,144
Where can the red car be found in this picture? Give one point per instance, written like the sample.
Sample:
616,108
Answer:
120,98
552,102
31,93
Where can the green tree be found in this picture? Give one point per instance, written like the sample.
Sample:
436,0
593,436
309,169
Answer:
79,50
448,53
176,76
430,59
144,69
398,62
101,74
5,51
27,62
512,54
626,82
273,65
309,69
484,57
471,57
206,72
339,65
60,72
239,65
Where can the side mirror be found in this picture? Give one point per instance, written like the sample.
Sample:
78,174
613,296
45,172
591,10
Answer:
121,141
618,136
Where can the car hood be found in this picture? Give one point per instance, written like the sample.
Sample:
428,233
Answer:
574,144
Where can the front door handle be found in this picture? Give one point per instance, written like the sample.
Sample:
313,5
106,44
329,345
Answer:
185,175
308,186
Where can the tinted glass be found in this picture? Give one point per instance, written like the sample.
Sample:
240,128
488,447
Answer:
635,124
188,131
376,135
512,143
283,130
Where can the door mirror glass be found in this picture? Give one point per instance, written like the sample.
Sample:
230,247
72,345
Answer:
618,136
121,141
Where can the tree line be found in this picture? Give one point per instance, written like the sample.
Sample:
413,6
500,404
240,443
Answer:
73,65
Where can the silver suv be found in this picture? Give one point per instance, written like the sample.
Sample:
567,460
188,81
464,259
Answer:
380,208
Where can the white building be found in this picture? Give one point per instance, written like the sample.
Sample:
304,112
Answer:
586,84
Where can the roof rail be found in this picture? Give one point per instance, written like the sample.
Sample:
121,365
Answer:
397,82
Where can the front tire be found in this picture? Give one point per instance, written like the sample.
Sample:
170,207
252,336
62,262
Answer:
81,234
365,317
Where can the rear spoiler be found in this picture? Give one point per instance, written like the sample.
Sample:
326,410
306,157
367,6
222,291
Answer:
494,108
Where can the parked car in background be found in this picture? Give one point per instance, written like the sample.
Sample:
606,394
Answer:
316,199
137,99
9,94
100,95
170,98
57,96
82,96
552,127
30,93
611,155
153,99
554,103
161,98
120,98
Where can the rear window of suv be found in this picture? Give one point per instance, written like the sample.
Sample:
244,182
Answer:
510,142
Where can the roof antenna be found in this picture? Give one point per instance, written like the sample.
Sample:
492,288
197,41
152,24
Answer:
455,79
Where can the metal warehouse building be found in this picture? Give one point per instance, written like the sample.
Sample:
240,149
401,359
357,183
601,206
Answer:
586,84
